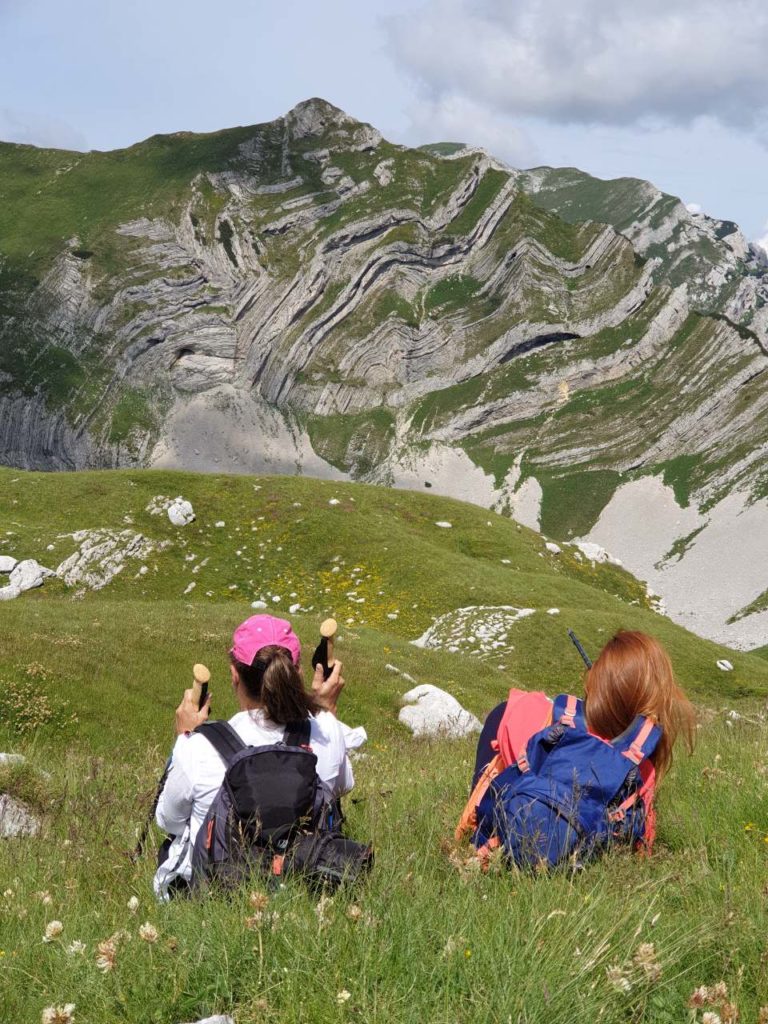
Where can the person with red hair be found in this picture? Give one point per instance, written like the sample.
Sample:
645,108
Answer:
633,676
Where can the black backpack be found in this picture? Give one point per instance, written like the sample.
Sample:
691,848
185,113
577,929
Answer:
269,795
271,815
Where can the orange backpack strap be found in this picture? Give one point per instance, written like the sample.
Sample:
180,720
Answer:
524,715
468,820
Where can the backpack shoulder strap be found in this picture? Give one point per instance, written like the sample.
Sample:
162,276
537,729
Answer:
222,738
568,710
639,740
525,714
297,733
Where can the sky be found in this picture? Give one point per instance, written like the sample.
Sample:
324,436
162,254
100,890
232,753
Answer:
675,91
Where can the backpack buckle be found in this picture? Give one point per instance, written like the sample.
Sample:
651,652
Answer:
568,717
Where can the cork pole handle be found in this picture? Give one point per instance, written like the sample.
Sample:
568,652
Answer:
200,679
328,632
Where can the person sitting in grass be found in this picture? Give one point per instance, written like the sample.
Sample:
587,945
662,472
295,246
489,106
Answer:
559,780
269,687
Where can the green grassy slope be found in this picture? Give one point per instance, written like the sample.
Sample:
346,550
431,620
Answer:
426,939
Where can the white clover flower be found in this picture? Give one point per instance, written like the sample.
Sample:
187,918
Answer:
343,997
76,948
53,930
133,904
59,1014
148,932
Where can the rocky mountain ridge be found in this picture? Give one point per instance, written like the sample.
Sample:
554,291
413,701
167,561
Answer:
304,296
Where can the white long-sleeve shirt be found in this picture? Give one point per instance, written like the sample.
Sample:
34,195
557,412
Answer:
197,771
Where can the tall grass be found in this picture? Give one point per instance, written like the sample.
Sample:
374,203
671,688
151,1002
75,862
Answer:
425,938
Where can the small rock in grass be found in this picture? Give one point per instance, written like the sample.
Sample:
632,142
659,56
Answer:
334,501
430,711
553,548
12,759
180,512
189,588
275,598
506,561
443,525
258,605
553,611
220,1018
16,819
724,665
220,524
294,608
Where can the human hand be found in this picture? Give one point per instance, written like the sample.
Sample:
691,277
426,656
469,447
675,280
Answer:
326,691
188,715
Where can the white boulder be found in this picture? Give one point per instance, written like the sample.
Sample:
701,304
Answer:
29,574
9,593
7,563
430,711
180,512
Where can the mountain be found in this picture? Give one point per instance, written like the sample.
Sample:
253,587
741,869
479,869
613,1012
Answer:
304,296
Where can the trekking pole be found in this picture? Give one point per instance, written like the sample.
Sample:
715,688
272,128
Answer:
201,676
577,644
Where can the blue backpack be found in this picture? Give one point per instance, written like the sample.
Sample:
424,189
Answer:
570,795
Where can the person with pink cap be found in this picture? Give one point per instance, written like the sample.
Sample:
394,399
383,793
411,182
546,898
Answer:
267,679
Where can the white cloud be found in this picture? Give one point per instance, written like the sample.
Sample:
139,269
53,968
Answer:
588,61
454,118
763,240
39,130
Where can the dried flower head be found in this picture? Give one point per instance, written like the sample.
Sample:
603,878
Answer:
322,910
709,1017
617,978
645,959
255,920
148,932
45,897
354,913
59,1014
53,930
76,948
259,900
106,953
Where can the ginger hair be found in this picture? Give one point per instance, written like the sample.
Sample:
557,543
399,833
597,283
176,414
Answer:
632,676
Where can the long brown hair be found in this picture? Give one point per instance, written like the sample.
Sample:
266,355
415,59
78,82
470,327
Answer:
634,676
274,682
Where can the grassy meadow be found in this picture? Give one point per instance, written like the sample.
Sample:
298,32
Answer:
88,684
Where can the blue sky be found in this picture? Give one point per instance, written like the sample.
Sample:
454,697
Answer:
675,91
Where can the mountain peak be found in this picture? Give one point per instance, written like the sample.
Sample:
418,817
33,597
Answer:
316,117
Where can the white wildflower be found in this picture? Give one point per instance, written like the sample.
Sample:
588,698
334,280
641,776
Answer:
343,997
148,932
133,904
53,930
76,948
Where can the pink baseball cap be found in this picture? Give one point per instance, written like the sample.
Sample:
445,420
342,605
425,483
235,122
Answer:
263,631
